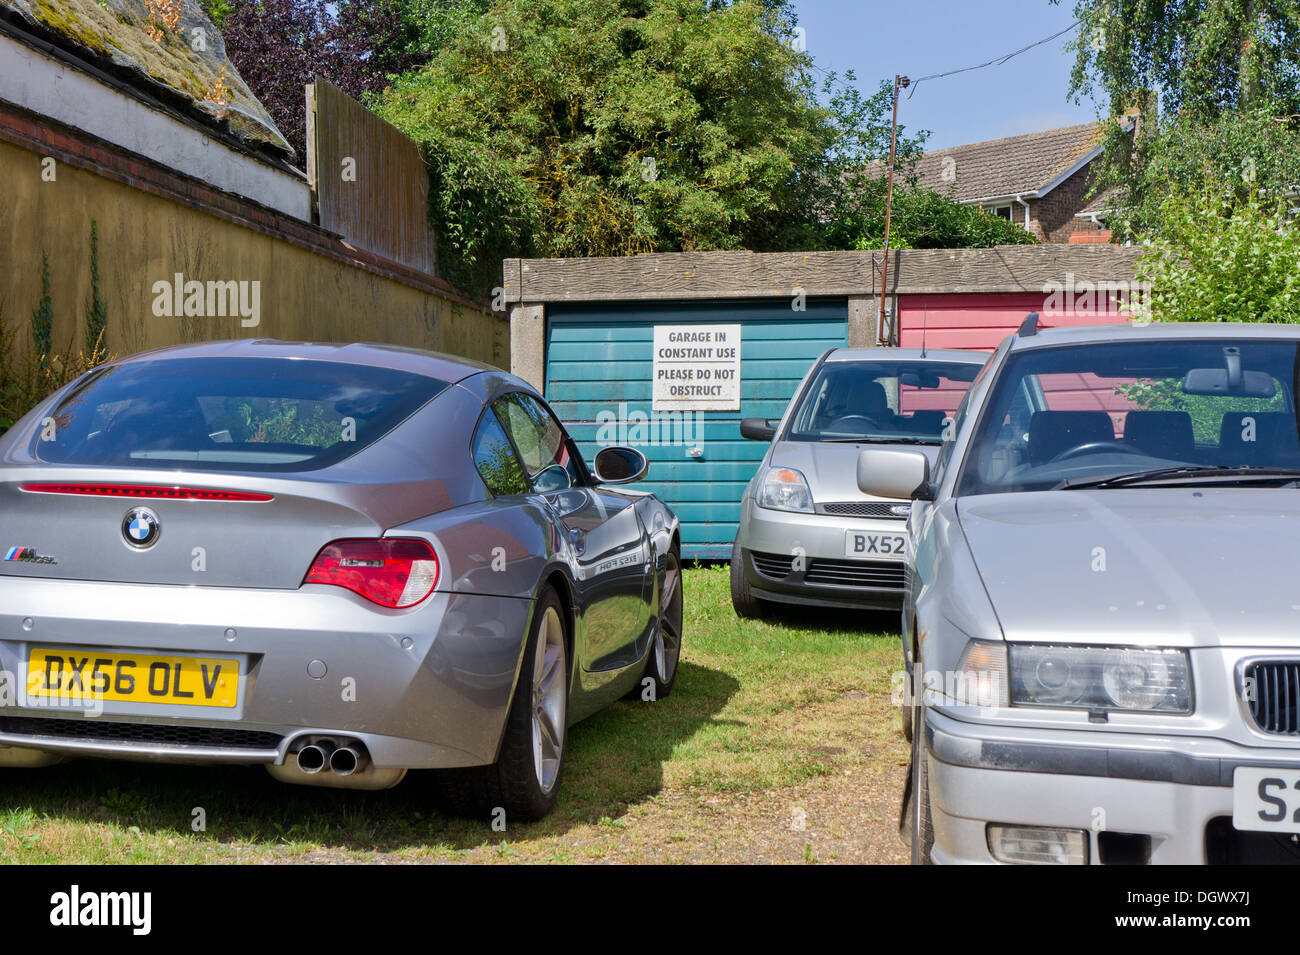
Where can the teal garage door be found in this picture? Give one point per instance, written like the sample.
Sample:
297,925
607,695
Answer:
599,370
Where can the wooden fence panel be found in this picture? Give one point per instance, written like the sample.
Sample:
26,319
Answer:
370,181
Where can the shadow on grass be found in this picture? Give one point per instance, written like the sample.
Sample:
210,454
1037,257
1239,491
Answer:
615,760
823,618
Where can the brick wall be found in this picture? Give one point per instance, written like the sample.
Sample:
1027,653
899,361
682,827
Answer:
1053,216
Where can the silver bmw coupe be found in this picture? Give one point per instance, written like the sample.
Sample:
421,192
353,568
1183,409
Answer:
1100,630
339,561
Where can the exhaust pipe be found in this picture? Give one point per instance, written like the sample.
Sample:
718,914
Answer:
349,767
312,758
345,761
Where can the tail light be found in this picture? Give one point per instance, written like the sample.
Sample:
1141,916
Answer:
392,573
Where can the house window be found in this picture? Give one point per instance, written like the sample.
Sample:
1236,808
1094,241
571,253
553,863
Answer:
1002,212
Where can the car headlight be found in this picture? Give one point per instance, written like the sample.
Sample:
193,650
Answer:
785,489
1108,678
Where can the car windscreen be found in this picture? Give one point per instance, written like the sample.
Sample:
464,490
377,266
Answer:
229,414
884,400
1072,414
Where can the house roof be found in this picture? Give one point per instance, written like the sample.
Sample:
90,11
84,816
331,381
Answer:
174,66
1015,165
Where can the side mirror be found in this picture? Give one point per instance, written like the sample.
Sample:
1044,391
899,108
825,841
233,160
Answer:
757,429
551,479
902,475
620,465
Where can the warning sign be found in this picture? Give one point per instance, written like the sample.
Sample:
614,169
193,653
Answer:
697,368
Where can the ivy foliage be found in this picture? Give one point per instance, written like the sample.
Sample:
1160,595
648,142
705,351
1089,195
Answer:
96,310
43,317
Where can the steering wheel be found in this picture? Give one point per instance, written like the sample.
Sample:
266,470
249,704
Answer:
848,418
1096,447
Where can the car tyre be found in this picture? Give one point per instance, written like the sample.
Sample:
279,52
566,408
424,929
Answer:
666,649
745,603
922,824
525,779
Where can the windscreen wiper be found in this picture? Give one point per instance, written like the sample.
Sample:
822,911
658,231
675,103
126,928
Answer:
1213,473
899,440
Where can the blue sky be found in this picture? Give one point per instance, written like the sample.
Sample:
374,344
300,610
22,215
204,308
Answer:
877,39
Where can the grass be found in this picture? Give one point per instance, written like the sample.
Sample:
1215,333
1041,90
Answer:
758,707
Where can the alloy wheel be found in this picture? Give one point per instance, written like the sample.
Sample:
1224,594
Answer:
668,635
550,700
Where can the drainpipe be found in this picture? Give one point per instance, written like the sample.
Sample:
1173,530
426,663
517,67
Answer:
1026,205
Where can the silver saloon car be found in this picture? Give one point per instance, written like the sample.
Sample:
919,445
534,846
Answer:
807,534
1101,633
341,562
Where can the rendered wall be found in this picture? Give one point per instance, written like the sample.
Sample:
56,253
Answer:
153,225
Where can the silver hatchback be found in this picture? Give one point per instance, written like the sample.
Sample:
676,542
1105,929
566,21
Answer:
807,534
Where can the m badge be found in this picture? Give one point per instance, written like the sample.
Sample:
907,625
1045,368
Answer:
28,555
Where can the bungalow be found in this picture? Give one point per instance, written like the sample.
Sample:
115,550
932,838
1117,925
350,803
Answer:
1041,180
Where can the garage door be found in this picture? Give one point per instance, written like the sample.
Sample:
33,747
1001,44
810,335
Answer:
599,379
982,321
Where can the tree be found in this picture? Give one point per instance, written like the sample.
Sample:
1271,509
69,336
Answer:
1247,154
1202,57
599,127
279,45
1217,87
921,219
1217,259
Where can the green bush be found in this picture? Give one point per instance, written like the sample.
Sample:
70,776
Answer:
1218,259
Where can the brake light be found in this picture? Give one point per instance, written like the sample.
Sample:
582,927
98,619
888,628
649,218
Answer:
145,491
396,573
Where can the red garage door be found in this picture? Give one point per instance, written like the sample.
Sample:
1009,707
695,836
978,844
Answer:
982,321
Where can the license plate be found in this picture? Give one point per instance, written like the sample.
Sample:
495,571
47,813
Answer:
875,546
1266,800
84,675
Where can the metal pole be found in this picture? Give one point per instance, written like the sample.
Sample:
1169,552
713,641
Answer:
899,82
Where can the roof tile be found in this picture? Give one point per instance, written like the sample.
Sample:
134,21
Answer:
1007,167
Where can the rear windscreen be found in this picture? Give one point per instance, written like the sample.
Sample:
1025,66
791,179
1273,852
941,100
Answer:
230,414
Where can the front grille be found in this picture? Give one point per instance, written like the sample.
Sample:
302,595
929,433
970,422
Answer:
96,730
882,509
773,565
1272,691
886,574
857,573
